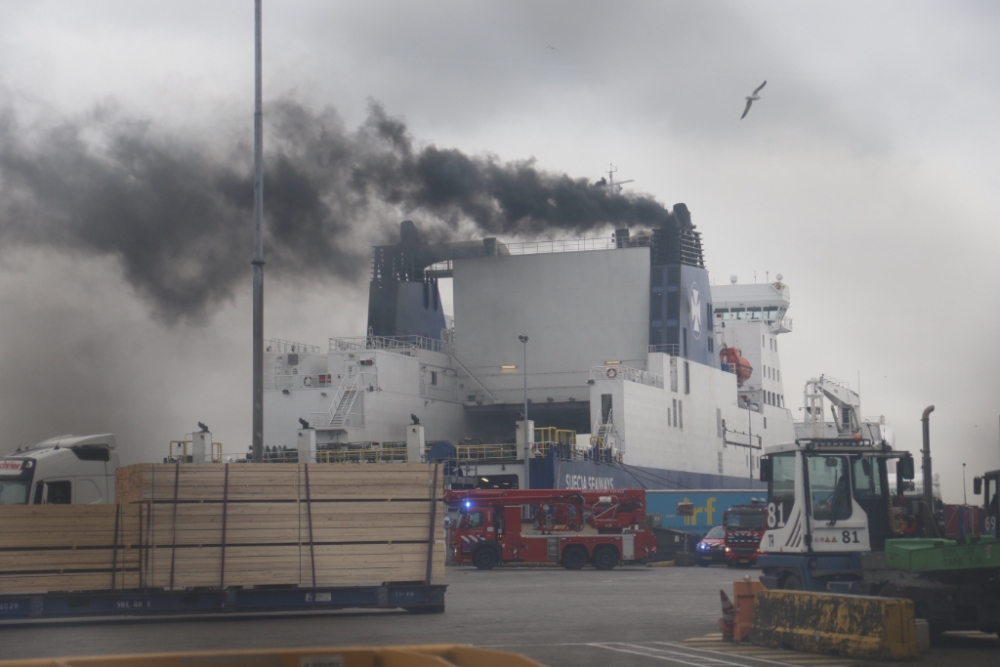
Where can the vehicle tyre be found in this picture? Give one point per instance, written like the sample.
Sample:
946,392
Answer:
484,558
889,591
605,558
792,583
574,558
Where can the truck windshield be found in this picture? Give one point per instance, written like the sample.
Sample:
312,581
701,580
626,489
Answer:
752,521
14,492
830,488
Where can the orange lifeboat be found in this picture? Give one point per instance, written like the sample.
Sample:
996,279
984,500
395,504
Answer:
734,357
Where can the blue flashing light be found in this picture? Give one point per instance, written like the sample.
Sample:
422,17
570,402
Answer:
468,503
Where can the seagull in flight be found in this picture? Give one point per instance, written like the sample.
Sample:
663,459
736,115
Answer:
752,98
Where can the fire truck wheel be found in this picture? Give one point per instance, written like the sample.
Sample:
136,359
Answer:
485,558
574,558
605,558
792,583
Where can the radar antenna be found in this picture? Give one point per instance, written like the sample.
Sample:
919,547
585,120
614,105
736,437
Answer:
616,187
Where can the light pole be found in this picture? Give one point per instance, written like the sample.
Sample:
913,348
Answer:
258,251
527,445
965,498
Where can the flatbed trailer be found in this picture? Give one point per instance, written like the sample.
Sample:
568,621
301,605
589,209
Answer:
133,604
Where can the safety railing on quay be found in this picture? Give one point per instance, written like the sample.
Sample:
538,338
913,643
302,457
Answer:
626,373
182,450
383,455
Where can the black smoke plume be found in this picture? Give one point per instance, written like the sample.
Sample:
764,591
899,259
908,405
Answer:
177,213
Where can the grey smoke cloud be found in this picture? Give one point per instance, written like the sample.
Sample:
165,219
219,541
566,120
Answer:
176,213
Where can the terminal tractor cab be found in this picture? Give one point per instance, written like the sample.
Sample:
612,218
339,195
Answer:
830,507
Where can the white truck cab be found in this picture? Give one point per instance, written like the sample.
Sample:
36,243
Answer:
65,470
829,495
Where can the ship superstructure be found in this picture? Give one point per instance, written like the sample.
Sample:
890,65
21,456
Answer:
639,372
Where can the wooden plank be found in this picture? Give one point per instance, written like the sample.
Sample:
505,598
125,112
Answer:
81,559
27,526
277,523
274,481
289,564
72,582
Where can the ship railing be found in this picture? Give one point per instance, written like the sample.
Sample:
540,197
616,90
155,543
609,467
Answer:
285,346
784,325
673,349
502,452
626,373
341,413
401,344
565,245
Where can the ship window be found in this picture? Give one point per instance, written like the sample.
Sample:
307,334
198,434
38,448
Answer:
675,413
829,487
673,374
687,378
711,345
680,415
668,417
684,340
434,377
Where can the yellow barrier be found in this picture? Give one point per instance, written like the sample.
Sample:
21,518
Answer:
854,626
443,655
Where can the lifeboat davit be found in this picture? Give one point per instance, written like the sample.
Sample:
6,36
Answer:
734,357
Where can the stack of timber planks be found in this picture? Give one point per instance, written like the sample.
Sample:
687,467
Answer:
370,524
217,525
68,548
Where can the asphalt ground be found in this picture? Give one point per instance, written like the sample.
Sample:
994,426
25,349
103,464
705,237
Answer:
642,616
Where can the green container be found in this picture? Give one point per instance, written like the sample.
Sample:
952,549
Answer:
923,555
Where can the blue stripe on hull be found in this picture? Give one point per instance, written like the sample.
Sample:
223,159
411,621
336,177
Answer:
576,474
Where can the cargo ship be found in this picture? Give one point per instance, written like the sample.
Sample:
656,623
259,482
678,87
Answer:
633,369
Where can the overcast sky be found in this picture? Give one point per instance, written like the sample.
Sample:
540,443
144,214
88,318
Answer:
866,175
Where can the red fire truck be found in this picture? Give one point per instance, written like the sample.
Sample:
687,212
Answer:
569,527
745,526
